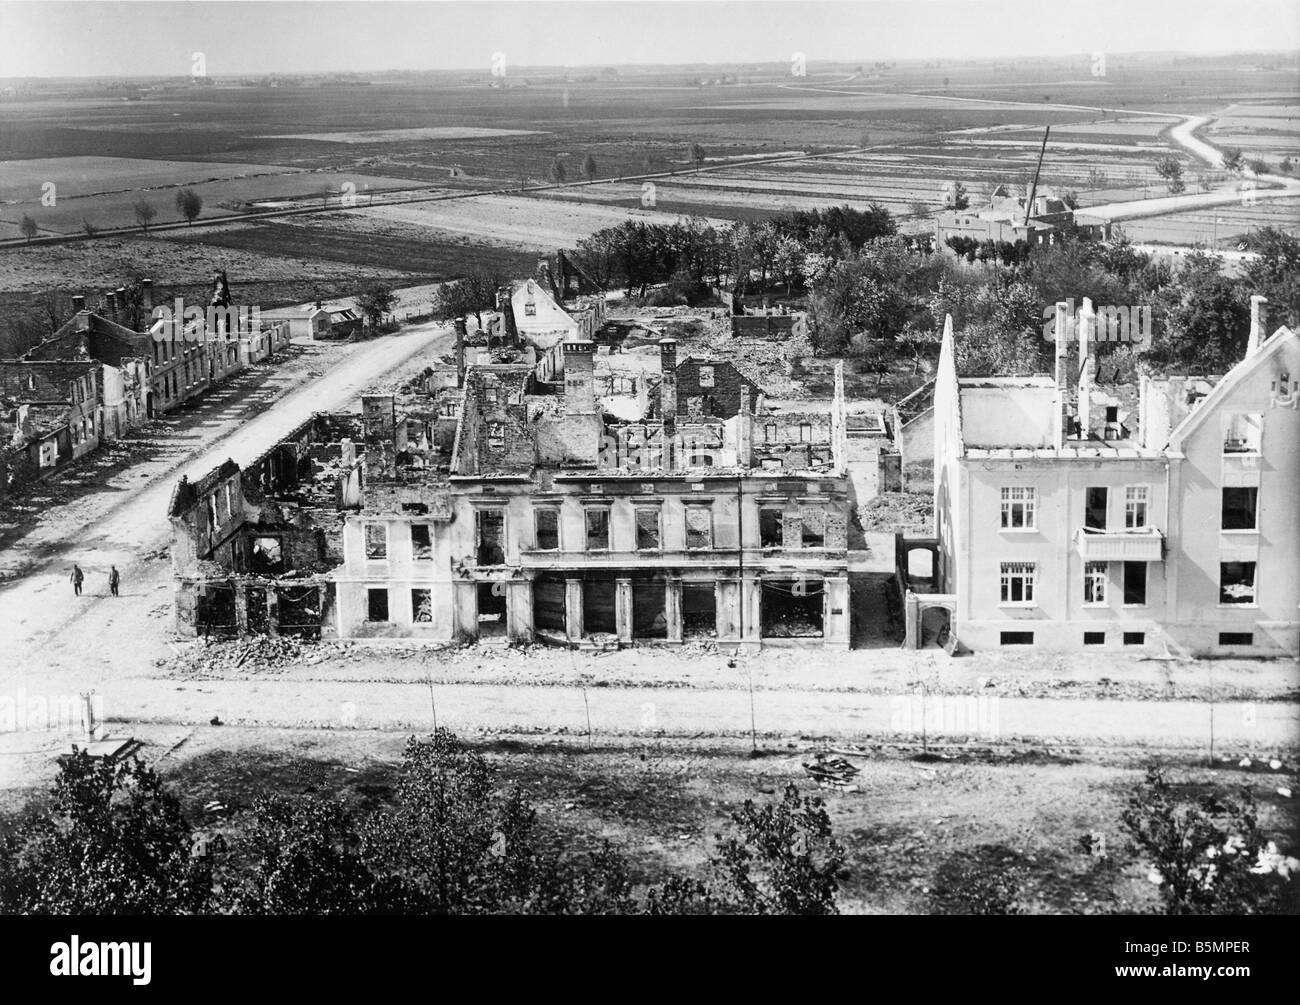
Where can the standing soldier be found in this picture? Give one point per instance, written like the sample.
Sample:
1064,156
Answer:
113,579
77,578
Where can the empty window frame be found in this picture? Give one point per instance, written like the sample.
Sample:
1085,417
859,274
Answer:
1236,582
1135,638
546,526
376,604
421,542
597,528
1135,507
266,555
770,528
376,541
1019,507
496,435
1018,583
769,432
805,432
1094,508
1241,434
1094,638
706,376
1095,575
647,528
490,536
1240,505
699,527
422,606
1135,584
813,523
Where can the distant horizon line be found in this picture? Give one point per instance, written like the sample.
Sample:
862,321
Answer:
519,70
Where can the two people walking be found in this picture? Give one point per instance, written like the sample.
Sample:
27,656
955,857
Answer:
78,577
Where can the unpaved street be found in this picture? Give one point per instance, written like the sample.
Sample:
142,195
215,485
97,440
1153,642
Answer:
43,622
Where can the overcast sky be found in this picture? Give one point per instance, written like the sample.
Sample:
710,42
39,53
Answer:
125,39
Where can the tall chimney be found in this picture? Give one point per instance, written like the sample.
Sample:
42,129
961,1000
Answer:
579,377
78,303
744,430
146,293
1087,329
121,305
505,300
668,395
1257,333
459,324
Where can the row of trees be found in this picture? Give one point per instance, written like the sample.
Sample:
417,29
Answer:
792,250
188,203
114,840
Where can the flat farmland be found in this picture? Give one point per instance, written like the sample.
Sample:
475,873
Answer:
506,221
380,249
103,191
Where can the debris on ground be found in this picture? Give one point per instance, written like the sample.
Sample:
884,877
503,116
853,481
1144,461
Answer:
830,771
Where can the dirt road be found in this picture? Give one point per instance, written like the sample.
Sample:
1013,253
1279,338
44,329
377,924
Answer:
42,620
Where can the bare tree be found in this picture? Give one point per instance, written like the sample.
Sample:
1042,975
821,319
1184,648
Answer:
697,156
589,167
28,227
557,172
144,214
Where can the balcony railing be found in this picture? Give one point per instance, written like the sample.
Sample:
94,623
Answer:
1143,545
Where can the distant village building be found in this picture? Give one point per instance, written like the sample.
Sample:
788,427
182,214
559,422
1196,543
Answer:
1003,220
302,322
1071,514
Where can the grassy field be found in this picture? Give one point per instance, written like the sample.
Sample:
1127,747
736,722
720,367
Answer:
914,825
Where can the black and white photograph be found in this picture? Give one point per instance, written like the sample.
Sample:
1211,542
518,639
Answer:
649,458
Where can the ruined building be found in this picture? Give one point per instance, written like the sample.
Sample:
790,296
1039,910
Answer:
541,492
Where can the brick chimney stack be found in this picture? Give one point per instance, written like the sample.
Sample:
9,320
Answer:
460,351
1257,332
744,430
78,304
579,377
668,395
146,293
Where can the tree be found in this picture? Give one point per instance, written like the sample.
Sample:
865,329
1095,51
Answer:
1285,165
696,154
956,195
1206,853
112,841
375,301
1097,179
779,859
788,262
1232,158
556,172
1207,319
306,861
1170,168
1258,165
919,208
325,191
144,214
190,204
28,228
1275,274
589,167
864,139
